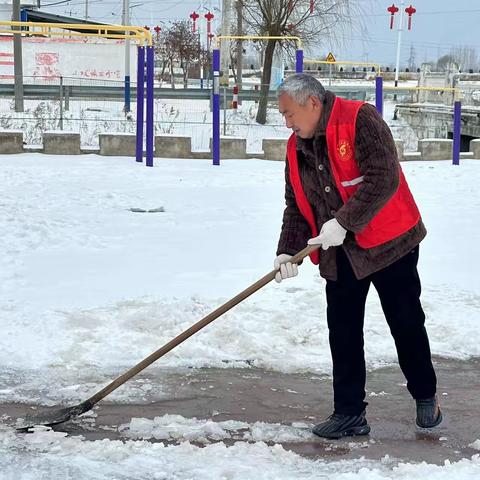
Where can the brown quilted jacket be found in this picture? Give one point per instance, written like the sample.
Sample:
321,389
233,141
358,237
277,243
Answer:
377,160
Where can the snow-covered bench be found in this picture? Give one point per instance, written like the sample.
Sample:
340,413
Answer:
232,147
435,148
59,142
11,141
274,148
173,146
117,144
475,148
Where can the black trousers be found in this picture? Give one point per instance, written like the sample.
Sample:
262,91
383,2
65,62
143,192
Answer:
398,287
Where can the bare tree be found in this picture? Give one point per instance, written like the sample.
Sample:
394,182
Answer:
313,21
205,60
180,47
466,57
447,62
462,58
162,56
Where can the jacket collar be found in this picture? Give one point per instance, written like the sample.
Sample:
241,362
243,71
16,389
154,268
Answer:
320,130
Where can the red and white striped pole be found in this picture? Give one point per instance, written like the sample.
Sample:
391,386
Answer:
235,97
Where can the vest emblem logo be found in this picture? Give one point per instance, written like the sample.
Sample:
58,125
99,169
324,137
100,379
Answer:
345,150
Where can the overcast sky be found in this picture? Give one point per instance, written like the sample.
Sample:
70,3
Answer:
438,25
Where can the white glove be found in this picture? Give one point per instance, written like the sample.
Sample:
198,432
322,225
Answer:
332,234
286,269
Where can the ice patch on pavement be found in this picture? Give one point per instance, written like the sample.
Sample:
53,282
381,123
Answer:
475,445
178,428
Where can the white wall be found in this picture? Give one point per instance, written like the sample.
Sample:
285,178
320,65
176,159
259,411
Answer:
47,58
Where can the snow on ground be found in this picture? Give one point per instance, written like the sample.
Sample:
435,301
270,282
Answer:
83,278
52,455
89,288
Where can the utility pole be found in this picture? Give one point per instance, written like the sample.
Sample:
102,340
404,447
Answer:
399,41
17,59
225,44
239,8
126,21
86,10
411,60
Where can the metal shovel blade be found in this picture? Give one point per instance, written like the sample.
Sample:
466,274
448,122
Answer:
53,416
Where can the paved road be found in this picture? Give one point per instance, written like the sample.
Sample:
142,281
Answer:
256,395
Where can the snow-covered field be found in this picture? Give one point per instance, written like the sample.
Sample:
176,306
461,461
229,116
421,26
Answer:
88,288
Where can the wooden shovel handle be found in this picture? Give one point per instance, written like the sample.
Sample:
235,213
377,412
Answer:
194,329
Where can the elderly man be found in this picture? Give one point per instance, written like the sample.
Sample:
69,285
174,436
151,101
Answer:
345,191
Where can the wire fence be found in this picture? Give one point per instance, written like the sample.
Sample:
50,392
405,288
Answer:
92,107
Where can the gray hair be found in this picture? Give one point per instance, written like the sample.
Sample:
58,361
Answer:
301,86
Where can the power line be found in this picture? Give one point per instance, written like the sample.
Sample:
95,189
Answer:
425,44
56,3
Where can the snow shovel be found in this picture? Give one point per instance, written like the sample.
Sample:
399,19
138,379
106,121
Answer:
55,416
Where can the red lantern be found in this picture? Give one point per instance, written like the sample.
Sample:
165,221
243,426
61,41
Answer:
158,30
290,26
209,40
410,11
194,16
147,27
209,16
393,10
312,5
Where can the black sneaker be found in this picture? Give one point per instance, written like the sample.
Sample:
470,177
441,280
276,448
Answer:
339,425
429,414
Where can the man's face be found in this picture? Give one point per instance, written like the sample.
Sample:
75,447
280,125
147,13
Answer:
302,119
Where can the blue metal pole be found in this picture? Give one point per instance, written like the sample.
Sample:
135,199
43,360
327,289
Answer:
457,130
299,61
140,102
216,108
379,94
128,95
150,106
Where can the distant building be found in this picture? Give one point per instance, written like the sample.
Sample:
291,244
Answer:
6,8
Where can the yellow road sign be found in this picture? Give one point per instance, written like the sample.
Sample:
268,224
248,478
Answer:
330,58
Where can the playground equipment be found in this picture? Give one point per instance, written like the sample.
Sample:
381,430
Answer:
140,35
379,95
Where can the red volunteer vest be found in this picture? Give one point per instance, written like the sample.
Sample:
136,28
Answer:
396,217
